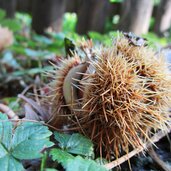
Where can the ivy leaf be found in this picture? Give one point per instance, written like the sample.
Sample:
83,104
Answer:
77,163
25,142
75,144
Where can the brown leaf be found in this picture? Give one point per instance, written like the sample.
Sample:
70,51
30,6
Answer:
34,111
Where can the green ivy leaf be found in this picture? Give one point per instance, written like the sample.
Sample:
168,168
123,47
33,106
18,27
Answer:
75,144
25,142
71,163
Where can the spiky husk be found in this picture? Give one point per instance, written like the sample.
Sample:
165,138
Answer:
126,99
59,111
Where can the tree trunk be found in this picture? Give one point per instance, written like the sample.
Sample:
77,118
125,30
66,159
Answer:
72,5
135,16
114,9
163,17
25,6
9,6
92,16
46,14
83,17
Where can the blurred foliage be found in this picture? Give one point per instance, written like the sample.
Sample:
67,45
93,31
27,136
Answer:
69,22
12,24
115,1
156,2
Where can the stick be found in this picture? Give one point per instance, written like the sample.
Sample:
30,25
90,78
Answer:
10,113
126,157
157,160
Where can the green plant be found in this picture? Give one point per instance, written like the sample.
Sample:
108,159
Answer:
71,163
26,141
81,147
75,144
116,1
69,22
12,24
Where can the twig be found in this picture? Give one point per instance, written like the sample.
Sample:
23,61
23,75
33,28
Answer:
36,95
46,124
126,157
29,120
157,160
10,113
23,92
